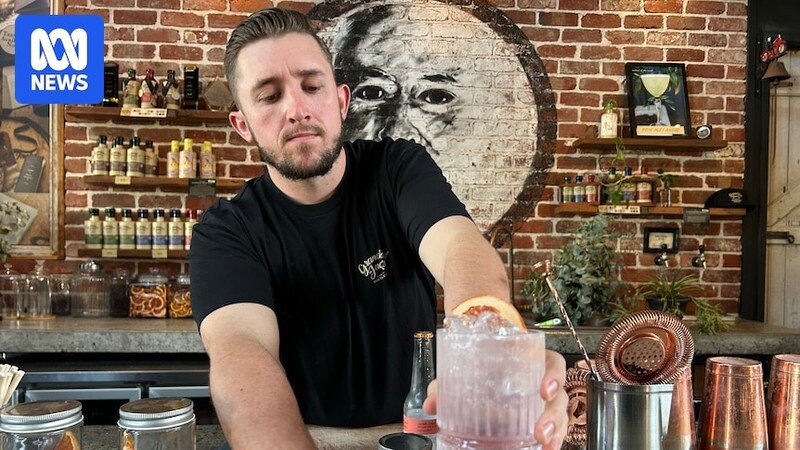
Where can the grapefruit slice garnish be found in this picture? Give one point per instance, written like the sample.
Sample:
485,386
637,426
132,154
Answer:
68,442
476,305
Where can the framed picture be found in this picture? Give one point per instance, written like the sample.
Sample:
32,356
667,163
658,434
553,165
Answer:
654,238
31,151
657,99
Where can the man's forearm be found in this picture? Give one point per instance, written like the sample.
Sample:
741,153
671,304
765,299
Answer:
254,401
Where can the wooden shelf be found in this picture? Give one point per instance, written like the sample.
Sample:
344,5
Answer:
672,211
75,113
131,254
652,144
223,184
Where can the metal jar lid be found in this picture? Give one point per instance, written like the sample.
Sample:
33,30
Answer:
40,417
155,413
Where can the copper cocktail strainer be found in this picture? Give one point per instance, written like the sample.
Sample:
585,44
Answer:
647,347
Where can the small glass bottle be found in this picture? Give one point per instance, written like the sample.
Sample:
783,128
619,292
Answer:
159,230
208,162
151,423
415,420
110,229
10,290
100,157
150,159
191,221
175,230
609,121
144,231
52,424
188,161
591,189
566,190
579,191
173,160
628,187
93,229
135,159
60,295
118,158
119,304
127,231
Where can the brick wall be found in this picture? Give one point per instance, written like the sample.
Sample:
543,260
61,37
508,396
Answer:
583,44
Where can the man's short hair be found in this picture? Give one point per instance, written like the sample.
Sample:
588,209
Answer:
266,24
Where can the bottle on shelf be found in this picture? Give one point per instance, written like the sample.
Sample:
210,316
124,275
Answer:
173,160
110,84
144,231
150,159
110,229
100,157
579,190
93,229
191,221
188,161
160,230
415,420
127,231
135,159
566,190
644,188
208,162
118,158
609,120
175,230
592,189
628,187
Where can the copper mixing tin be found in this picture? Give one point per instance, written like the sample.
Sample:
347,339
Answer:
783,403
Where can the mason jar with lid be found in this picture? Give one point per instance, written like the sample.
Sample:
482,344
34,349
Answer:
180,300
10,290
157,423
90,291
42,425
35,302
148,295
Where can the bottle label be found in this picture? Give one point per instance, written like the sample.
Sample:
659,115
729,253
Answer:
173,166
419,426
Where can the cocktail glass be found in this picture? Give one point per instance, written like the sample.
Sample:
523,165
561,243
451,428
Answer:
489,382
656,84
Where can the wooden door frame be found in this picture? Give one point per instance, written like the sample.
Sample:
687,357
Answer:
765,18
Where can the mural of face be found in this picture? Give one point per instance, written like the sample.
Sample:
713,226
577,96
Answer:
437,74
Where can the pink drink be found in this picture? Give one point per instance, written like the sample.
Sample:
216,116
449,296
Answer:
489,377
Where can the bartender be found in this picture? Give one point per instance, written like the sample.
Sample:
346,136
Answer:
308,285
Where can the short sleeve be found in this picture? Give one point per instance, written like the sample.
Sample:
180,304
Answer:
225,267
422,193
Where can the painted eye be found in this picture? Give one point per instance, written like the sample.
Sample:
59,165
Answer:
437,96
369,93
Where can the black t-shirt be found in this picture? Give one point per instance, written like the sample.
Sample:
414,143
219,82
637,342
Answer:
343,277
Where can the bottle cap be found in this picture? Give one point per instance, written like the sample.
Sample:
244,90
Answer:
158,212
142,213
111,212
148,143
206,146
567,179
126,213
191,213
174,146
579,179
136,141
175,213
102,139
94,212
187,144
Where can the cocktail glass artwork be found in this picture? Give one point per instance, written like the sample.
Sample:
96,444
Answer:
656,85
489,375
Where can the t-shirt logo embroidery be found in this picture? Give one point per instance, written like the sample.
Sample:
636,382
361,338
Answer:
374,267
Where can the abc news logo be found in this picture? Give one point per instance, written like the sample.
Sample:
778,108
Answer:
59,59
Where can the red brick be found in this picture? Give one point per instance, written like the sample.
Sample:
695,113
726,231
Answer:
736,73
687,181
79,166
725,88
74,132
734,104
572,35
702,165
502,3
705,8
642,54
235,139
725,118
644,21
720,24
224,20
113,201
159,4
708,40
72,199
181,53
737,9
160,201
558,19
735,134
114,3
232,154
104,13
205,135
585,5
551,242
620,5
249,5
663,6
522,17
579,99
612,68
731,291
216,55
696,87
670,165
184,20
205,5
541,34
694,197
686,23
126,51
666,38
705,70
685,54
625,37
556,51
78,149
118,34
157,35
698,102
566,115
535,226
732,229
296,6
601,21
721,276
563,83
591,115
246,170
599,84
577,163
579,67
205,37
215,71
123,16
727,56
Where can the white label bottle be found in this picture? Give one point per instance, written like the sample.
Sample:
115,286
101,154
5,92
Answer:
93,229
127,231
110,229
415,420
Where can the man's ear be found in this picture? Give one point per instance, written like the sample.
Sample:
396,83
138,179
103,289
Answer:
239,124
343,92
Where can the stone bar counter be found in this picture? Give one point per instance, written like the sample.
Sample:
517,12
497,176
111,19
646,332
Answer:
74,335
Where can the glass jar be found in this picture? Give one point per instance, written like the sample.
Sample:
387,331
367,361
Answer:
90,291
42,425
35,302
9,292
60,294
180,300
118,293
157,423
148,295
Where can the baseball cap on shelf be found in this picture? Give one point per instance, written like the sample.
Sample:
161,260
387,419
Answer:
729,198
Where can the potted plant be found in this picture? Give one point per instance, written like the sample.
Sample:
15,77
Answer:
585,273
671,293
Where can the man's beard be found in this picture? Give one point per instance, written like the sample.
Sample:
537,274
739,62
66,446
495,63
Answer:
286,167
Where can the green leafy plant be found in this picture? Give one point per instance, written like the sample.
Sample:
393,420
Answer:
585,273
673,291
12,218
666,178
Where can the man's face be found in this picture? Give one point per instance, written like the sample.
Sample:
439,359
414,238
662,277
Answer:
290,105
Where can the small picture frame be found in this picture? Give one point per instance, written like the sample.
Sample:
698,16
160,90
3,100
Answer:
657,100
654,238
